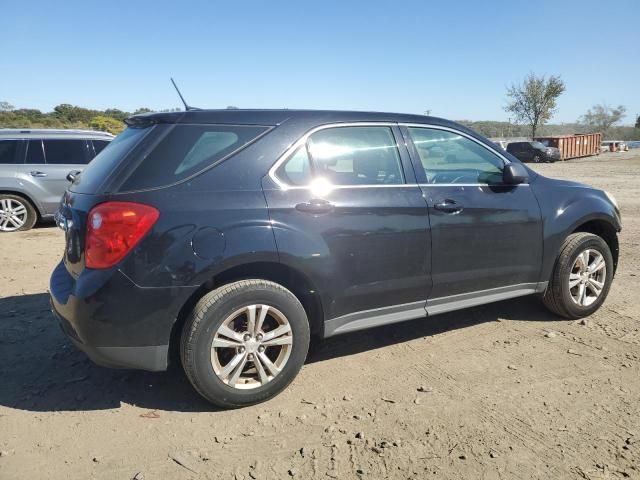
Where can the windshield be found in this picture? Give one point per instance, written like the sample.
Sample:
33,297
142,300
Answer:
538,145
106,161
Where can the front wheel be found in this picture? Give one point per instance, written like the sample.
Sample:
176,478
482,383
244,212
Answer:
244,342
581,278
536,159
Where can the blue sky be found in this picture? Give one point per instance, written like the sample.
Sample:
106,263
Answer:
454,58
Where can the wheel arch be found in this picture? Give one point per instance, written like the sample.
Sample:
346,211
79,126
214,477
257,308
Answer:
24,195
605,230
299,284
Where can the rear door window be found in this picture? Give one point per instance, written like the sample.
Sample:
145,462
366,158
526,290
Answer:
66,152
9,152
187,150
297,169
35,154
356,156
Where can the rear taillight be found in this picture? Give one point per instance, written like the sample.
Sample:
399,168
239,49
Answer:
113,229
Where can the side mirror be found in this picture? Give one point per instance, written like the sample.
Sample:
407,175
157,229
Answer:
514,174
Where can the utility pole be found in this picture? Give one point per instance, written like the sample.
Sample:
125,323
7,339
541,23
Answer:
427,112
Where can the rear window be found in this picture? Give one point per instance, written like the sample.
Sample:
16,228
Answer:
108,159
185,151
9,151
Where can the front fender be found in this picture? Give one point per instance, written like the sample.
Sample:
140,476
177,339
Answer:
565,207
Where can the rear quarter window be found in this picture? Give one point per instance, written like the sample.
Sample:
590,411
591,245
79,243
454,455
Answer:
187,150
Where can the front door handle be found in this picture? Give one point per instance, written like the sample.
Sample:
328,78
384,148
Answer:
37,173
449,206
316,206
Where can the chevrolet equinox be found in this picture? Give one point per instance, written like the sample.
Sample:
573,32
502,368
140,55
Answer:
239,234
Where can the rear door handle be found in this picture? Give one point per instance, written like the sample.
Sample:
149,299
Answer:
449,206
316,206
37,173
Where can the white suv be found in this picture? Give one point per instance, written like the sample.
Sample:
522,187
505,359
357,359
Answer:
34,165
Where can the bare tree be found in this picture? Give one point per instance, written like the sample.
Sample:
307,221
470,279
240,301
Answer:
600,118
533,102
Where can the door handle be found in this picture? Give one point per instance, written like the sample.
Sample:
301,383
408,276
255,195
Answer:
316,206
37,173
449,206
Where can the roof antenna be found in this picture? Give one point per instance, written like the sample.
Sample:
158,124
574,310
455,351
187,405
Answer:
186,106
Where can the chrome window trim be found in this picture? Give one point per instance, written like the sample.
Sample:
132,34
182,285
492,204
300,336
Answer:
472,185
302,140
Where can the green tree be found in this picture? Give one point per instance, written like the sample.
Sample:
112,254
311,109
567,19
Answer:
600,118
638,122
117,114
74,114
142,110
533,102
6,107
106,124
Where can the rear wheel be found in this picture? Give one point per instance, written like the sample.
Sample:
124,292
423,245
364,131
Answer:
581,277
244,342
536,159
16,213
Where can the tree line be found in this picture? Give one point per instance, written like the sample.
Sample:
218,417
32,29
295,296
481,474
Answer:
532,103
65,116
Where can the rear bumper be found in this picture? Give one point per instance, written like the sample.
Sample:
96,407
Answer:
115,322
151,358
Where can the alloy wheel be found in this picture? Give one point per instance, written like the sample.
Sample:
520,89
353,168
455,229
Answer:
251,346
587,278
13,214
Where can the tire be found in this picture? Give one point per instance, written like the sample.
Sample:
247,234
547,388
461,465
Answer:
536,159
21,215
563,299
231,304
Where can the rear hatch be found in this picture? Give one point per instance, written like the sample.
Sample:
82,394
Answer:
140,161
91,188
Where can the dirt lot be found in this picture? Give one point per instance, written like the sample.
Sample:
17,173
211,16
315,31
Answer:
508,390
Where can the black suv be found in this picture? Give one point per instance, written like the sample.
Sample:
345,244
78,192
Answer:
535,152
239,234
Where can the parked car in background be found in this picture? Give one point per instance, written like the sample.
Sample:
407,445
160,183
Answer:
34,165
238,234
616,145
605,147
633,144
533,151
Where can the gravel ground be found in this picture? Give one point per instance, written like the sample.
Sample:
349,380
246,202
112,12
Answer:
500,391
